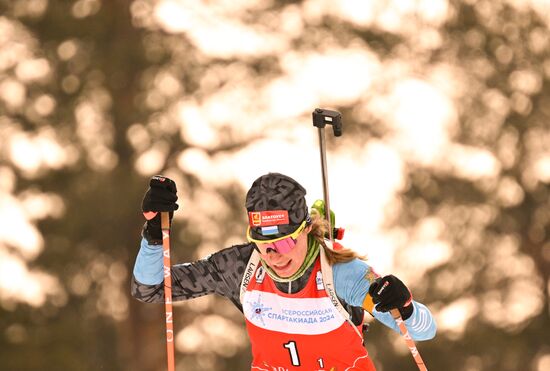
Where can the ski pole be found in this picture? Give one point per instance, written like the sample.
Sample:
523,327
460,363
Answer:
165,226
322,117
405,332
408,339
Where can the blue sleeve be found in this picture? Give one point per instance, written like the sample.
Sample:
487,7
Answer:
421,324
352,281
148,268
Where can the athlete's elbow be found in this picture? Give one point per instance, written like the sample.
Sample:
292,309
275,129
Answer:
146,293
144,298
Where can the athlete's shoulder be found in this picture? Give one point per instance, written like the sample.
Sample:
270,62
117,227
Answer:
352,266
356,270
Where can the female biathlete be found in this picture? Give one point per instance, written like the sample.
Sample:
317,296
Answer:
303,301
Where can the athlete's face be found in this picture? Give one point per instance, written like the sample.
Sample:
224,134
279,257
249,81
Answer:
285,265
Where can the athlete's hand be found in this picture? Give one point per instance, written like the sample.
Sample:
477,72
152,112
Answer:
160,196
389,293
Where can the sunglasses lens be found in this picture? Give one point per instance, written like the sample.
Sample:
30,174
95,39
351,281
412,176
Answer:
283,246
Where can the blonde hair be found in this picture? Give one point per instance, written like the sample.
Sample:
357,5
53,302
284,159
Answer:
319,228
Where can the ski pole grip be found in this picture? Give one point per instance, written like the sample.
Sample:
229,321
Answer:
164,220
322,117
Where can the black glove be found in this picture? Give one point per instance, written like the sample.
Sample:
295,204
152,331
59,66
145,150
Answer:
161,196
389,293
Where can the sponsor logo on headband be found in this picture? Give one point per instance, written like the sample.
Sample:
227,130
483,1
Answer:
267,218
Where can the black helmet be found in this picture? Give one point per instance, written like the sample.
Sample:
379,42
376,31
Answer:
276,206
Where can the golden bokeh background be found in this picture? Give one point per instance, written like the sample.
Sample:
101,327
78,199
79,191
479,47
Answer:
441,176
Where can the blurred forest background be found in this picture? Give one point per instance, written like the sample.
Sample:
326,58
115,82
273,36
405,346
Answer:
442,175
